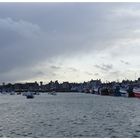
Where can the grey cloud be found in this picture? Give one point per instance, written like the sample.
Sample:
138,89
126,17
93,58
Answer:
116,73
56,67
96,74
40,73
32,33
72,69
19,75
88,73
104,67
19,44
28,45
125,62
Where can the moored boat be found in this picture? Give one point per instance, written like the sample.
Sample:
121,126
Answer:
123,92
136,92
29,95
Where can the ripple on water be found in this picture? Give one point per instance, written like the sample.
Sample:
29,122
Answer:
69,115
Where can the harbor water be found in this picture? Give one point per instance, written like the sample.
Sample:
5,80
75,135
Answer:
69,115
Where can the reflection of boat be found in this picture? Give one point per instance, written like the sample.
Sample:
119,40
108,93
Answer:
29,95
52,93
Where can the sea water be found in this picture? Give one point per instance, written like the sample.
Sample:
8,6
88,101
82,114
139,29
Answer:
69,115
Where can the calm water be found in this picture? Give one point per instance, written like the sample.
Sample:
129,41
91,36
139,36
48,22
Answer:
69,115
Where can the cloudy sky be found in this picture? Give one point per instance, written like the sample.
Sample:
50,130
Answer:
72,42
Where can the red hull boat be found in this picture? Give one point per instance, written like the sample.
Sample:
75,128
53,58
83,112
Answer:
137,92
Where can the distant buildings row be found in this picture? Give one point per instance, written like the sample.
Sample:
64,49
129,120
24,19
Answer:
63,87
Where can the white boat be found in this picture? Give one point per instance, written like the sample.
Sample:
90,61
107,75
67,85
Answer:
123,92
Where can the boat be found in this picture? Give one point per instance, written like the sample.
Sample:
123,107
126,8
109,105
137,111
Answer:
123,92
29,95
52,93
136,92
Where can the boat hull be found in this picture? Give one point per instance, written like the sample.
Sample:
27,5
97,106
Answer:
124,93
136,93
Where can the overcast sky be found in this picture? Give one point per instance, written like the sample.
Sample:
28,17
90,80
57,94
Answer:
72,42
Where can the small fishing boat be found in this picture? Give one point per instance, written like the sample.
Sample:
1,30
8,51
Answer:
29,95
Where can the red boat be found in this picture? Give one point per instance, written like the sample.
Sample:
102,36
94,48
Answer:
136,92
